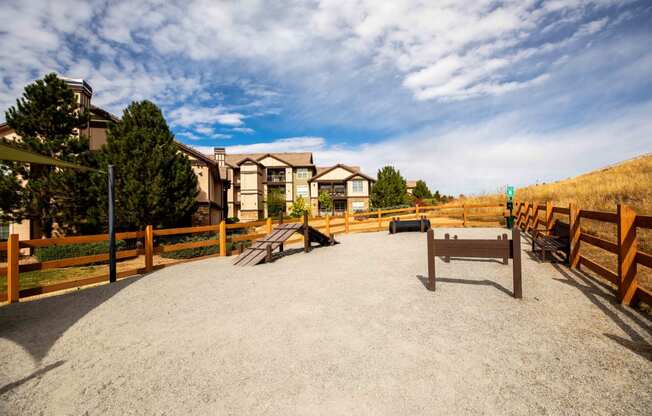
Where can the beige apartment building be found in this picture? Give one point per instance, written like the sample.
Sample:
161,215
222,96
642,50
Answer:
212,185
410,185
253,176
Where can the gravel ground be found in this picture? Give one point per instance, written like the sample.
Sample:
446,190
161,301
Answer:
348,329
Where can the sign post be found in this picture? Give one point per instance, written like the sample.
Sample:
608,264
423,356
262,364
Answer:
509,191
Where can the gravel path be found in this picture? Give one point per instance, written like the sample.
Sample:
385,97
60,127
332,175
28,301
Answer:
348,329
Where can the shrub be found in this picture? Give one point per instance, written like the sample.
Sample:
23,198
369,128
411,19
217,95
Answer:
299,207
75,250
189,253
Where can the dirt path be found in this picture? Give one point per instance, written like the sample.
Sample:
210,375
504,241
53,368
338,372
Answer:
348,329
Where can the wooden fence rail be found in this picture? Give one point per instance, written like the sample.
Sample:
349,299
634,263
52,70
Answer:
225,235
625,247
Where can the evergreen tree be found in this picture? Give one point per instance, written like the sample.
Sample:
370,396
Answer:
47,118
421,190
325,202
437,196
154,183
389,190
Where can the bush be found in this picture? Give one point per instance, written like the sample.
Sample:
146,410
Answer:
75,250
189,253
299,207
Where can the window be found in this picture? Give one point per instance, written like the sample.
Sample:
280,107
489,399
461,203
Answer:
302,190
4,231
357,186
303,173
357,206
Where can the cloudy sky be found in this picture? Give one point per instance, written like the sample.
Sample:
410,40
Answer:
466,95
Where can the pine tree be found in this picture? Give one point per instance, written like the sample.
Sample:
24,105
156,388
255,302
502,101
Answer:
47,118
389,190
154,183
421,190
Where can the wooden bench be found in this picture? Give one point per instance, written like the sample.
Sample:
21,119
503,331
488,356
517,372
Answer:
557,240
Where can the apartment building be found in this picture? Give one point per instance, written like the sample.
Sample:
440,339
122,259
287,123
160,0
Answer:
253,176
348,187
410,185
212,185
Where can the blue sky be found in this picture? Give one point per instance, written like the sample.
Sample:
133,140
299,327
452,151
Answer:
466,95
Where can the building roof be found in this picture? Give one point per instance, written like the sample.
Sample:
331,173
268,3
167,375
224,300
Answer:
296,159
104,114
411,184
355,171
196,154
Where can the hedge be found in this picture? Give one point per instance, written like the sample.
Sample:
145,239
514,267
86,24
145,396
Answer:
189,253
75,250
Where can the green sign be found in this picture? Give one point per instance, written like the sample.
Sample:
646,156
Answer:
510,192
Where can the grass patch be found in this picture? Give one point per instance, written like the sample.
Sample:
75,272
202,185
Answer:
50,276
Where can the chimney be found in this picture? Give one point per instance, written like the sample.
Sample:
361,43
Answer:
219,153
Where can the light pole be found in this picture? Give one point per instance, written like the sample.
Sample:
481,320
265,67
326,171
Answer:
112,259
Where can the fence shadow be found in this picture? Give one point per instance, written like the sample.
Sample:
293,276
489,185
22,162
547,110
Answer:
292,251
36,325
8,387
602,296
485,282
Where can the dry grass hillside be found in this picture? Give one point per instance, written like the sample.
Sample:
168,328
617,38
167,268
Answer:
628,182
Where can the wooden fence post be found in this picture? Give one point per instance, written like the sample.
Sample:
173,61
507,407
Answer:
222,238
416,210
149,248
380,221
574,238
464,215
527,216
535,215
328,225
346,221
627,246
548,217
13,272
269,225
430,236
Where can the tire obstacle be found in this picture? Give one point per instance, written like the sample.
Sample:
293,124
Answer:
261,250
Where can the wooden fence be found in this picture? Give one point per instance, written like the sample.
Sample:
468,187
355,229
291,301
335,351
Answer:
625,247
227,235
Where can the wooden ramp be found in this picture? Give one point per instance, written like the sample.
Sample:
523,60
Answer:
261,249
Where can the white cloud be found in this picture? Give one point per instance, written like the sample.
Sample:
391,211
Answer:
189,116
288,144
245,130
483,156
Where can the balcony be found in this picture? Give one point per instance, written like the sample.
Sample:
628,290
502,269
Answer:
337,192
275,178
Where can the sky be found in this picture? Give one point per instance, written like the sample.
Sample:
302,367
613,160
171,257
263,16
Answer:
468,96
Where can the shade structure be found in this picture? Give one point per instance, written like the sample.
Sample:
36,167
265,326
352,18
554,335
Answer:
15,154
